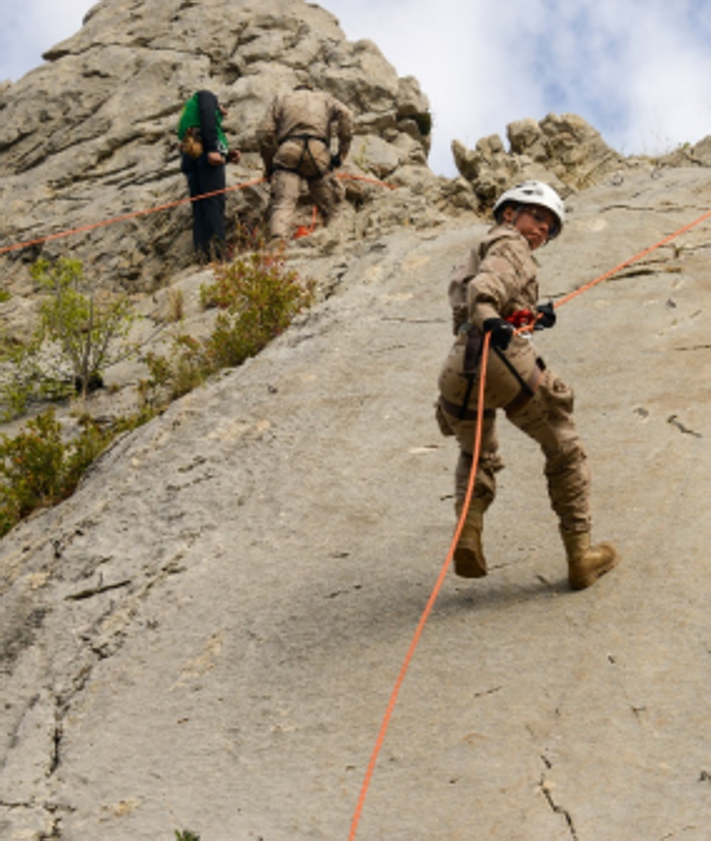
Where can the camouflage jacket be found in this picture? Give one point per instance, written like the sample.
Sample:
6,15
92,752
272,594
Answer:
299,114
498,278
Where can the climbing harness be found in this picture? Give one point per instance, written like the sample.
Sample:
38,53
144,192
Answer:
472,358
521,320
528,387
305,151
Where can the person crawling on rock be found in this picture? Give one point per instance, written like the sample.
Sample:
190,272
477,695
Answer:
295,144
496,292
205,151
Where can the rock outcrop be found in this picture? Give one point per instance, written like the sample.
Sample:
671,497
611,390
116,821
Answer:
565,151
90,135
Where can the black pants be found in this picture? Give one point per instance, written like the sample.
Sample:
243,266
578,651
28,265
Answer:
208,214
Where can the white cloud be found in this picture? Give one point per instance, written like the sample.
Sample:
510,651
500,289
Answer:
638,70
33,27
453,52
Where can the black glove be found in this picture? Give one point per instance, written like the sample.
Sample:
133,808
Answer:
501,332
547,316
335,161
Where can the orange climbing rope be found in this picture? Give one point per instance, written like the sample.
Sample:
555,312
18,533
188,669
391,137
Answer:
134,214
609,274
302,231
525,327
307,230
430,604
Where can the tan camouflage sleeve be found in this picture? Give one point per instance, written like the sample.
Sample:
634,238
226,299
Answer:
267,135
496,289
344,128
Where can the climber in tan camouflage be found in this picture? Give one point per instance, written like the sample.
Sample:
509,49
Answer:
496,291
295,144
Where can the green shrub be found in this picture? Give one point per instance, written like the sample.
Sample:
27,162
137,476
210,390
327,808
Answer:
257,297
171,378
80,333
38,469
83,324
250,237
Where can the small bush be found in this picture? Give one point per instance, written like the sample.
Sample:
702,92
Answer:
171,378
257,297
80,333
82,324
176,305
186,835
20,378
38,469
250,238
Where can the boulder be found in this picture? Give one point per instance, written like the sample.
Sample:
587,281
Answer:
564,151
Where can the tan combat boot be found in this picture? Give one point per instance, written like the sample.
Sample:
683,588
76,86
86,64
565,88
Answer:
469,560
587,563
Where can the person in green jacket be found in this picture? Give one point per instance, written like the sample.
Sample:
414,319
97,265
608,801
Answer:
205,151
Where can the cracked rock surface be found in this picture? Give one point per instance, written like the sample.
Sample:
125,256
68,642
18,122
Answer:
206,635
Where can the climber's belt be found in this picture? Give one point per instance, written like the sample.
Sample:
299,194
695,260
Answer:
302,137
306,154
529,387
467,415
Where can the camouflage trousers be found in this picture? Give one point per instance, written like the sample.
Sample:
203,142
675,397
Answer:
547,418
326,192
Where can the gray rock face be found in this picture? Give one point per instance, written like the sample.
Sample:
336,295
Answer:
206,635
90,135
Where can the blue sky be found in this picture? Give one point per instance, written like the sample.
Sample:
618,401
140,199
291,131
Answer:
638,70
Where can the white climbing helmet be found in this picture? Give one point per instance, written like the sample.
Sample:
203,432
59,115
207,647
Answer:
533,192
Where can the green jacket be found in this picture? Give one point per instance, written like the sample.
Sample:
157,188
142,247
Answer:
202,111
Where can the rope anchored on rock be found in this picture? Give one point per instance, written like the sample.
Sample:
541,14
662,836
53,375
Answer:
167,206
